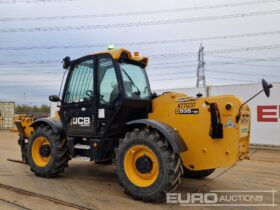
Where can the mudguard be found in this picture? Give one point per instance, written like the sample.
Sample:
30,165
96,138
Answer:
56,125
175,140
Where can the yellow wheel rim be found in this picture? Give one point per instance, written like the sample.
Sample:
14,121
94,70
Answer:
133,174
38,159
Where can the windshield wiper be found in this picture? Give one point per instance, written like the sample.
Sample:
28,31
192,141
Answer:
138,91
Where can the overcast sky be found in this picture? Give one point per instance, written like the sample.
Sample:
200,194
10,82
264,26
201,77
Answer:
241,40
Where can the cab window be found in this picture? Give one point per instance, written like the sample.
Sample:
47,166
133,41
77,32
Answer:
80,86
109,89
136,84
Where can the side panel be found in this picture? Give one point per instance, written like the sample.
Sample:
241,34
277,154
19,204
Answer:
193,121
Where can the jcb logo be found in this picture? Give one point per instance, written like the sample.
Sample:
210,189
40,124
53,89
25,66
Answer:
82,121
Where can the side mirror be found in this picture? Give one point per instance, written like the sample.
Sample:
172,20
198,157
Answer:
66,62
266,87
54,98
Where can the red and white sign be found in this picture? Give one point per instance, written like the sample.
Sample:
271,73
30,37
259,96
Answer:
268,113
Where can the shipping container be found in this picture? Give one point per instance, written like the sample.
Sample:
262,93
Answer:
7,114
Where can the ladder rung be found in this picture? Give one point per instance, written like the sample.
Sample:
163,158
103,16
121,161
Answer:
81,146
82,158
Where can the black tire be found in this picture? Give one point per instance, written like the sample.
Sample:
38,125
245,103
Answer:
170,168
201,174
59,156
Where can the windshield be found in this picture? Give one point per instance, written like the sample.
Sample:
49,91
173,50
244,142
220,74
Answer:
136,84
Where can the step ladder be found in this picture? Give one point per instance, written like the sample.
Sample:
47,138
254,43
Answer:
82,147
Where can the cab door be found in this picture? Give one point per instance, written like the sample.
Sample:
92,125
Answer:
109,93
78,105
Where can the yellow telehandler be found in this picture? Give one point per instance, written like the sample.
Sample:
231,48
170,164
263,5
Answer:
108,112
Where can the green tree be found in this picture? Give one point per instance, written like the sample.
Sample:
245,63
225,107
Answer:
37,111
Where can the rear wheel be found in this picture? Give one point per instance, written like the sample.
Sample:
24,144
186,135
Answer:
147,167
201,174
47,152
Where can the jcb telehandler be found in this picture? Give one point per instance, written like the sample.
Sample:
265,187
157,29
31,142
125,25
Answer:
107,112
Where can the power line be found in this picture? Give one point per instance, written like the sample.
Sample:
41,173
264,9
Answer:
32,66
210,52
216,63
28,86
219,72
160,63
232,79
31,1
28,74
245,63
210,64
164,79
176,78
173,73
242,73
217,78
30,81
242,60
137,13
141,43
39,62
273,59
152,69
171,55
224,72
140,24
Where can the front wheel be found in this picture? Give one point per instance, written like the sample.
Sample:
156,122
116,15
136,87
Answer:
147,166
47,152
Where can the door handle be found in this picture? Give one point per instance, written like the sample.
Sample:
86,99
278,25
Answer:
66,115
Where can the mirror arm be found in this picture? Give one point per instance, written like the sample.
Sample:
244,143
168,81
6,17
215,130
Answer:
238,116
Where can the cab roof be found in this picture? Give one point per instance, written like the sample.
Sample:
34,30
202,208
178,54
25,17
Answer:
118,54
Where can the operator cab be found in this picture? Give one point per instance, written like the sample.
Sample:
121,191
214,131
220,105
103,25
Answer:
102,92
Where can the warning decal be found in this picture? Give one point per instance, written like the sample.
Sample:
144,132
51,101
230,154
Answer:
230,124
